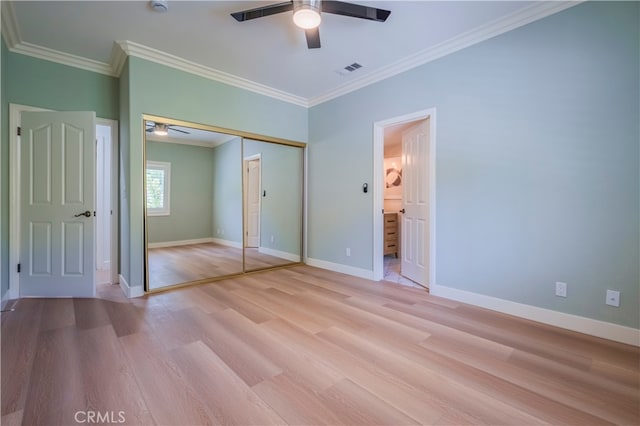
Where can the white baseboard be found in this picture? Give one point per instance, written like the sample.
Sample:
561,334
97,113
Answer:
180,243
129,291
605,330
337,267
5,299
227,243
292,257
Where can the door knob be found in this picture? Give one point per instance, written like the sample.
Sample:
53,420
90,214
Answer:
86,214
402,211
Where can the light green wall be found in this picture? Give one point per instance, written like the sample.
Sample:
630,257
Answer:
227,192
35,82
537,163
191,193
44,84
159,90
281,208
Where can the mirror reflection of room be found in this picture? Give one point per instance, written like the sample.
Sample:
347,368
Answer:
218,205
194,205
273,204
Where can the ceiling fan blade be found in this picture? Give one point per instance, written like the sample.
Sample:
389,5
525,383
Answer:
259,12
178,130
355,10
313,38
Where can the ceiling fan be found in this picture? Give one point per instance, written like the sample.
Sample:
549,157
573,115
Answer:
162,129
306,14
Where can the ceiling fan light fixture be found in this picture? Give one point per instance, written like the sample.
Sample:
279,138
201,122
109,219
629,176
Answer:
306,14
161,129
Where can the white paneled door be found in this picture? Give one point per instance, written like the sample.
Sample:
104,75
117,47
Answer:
253,203
57,249
415,195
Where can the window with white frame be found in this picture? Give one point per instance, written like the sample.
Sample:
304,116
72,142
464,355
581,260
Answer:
158,188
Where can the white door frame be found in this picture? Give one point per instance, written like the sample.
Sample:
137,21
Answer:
378,185
15,111
113,125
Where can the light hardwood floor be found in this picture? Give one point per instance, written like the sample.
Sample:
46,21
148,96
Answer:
304,346
175,265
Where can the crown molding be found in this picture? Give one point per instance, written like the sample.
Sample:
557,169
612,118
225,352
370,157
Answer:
163,58
500,26
63,58
124,48
10,30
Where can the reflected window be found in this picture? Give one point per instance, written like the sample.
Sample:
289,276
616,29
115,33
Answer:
158,188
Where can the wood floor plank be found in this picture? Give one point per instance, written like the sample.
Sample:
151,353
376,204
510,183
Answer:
240,356
56,389
354,405
305,346
166,392
20,330
228,397
422,377
303,368
295,403
108,381
368,375
57,313
250,310
90,313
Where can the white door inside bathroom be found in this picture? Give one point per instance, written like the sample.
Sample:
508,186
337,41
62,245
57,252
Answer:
253,201
414,215
57,249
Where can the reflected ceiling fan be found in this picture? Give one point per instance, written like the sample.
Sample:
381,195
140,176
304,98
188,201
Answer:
306,14
162,129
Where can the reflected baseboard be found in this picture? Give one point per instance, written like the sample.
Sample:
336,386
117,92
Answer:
293,257
162,244
228,243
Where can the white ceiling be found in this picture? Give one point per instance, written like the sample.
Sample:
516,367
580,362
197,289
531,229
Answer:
268,54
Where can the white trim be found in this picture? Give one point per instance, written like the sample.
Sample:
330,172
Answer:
605,330
343,269
227,243
10,29
130,292
115,194
5,300
479,34
378,184
281,254
63,58
163,244
124,48
172,61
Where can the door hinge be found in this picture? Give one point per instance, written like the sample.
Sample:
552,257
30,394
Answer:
19,268
19,131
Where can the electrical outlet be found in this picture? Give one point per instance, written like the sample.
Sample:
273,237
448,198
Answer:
273,239
613,298
561,289
348,251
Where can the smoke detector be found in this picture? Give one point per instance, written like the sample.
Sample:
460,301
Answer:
159,5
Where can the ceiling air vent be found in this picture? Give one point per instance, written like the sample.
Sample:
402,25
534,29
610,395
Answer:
349,69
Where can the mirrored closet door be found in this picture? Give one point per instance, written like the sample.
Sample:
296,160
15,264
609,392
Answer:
218,204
